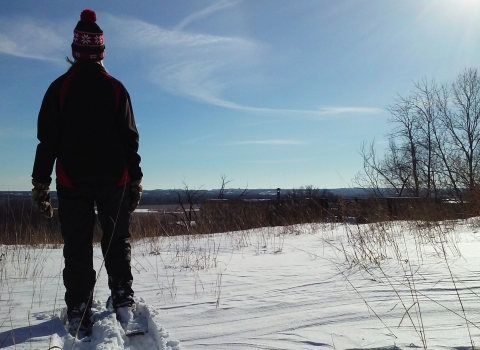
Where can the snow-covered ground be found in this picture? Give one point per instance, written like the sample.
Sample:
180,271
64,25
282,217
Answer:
392,286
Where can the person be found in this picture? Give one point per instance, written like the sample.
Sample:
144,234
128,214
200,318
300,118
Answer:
86,125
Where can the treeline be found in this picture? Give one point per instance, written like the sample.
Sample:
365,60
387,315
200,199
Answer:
433,148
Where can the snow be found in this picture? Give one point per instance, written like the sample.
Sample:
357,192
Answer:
386,286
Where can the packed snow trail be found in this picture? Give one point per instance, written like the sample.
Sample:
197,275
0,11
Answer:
107,333
271,289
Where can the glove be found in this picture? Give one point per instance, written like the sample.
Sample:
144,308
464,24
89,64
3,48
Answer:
135,195
41,197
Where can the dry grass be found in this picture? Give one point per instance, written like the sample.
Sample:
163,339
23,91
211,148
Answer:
24,225
379,249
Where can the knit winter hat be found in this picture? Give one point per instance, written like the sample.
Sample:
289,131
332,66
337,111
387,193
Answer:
88,44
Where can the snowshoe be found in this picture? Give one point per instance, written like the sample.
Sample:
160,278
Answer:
79,322
131,322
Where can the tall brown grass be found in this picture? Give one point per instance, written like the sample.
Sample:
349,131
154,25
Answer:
24,225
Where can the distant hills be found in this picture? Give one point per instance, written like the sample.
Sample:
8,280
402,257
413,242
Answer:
172,196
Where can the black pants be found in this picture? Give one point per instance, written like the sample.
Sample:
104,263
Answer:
77,219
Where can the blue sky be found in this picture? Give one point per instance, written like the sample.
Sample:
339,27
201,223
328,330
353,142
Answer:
269,93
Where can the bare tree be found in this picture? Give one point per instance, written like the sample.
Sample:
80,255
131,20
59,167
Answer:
404,159
381,173
426,109
445,152
434,147
189,205
462,122
225,182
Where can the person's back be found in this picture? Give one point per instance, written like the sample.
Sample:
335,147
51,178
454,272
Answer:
95,122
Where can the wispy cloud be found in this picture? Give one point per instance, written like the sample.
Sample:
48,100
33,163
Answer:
346,110
321,113
205,12
197,139
146,36
274,161
32,38
197,66
202,67
267,142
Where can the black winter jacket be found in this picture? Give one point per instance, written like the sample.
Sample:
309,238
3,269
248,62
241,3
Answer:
86,124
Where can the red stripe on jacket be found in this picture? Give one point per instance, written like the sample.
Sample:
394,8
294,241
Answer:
62,178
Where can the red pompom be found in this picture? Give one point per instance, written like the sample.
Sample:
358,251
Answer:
88,15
